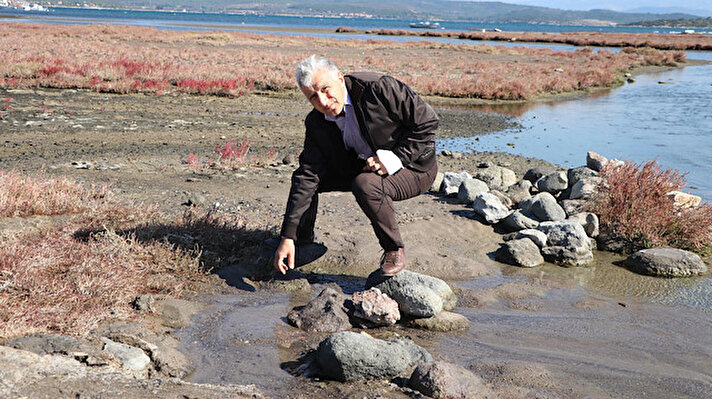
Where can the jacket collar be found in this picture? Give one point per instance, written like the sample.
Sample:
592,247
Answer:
354,87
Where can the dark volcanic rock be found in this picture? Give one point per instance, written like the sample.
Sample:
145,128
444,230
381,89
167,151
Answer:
325,313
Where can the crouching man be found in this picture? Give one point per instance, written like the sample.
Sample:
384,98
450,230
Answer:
369,134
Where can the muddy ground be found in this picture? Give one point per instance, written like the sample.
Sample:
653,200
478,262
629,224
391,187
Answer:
535,333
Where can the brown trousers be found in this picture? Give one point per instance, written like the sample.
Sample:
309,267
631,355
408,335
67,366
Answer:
375,195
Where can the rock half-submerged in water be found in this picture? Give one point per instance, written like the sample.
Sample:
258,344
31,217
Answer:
448,380
667,262
350,356
325,313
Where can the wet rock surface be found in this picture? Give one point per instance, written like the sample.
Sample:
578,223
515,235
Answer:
350,356
443,380
666,262
325,313
444,322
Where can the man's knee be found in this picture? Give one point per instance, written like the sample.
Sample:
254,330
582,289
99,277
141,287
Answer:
367,185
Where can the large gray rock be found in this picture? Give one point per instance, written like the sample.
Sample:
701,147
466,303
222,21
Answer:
585,188
568,243
495,176
567,256
443,380
538,237
503,198
582,172
667,262
589,221
417,295
325,313
595,161
537,173
133,360
21,368
544,207
572,206
519,220
349,356
437,183
522,252
444,321
553,183
376,307
519,191
452,181
490,207
565,233
471,188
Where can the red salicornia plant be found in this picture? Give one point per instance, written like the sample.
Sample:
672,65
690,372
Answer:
633,206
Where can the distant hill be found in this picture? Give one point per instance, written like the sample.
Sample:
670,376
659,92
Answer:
677,23
671,10
403,9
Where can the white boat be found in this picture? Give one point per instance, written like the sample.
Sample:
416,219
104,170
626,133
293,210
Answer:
34,7
424,25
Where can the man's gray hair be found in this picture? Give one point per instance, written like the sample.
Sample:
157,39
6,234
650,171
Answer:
306,69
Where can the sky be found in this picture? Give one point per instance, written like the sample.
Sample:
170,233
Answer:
618,5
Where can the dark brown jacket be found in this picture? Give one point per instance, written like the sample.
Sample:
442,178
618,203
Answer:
390,115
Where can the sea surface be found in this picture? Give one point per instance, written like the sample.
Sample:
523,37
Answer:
197,20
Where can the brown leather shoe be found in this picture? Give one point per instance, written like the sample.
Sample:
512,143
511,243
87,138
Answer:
393,262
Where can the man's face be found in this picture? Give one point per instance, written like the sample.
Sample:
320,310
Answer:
327,92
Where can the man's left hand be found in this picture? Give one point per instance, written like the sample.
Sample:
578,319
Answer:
373,164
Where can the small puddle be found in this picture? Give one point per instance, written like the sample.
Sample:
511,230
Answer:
235,341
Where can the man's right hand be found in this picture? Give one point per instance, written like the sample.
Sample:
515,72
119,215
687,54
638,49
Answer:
284,250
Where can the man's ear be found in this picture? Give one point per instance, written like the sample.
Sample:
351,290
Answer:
340,76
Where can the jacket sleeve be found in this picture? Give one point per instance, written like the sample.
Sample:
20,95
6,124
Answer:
305,181
417,117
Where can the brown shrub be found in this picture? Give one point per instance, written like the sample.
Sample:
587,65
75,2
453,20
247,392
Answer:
633,206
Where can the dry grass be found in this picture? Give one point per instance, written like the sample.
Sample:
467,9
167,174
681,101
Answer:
634,208
124,59
22,195
70,279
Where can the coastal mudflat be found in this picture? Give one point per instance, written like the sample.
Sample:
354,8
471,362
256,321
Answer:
543,332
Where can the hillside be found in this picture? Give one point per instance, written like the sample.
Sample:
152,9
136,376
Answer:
705,23
402,9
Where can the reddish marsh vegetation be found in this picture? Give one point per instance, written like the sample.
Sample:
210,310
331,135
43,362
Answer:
633,206
598,39
71,278
137,59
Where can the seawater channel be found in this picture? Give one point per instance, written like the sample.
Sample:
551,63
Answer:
664,116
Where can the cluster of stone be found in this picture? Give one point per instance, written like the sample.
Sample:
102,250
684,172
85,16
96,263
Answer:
543,215
415,299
